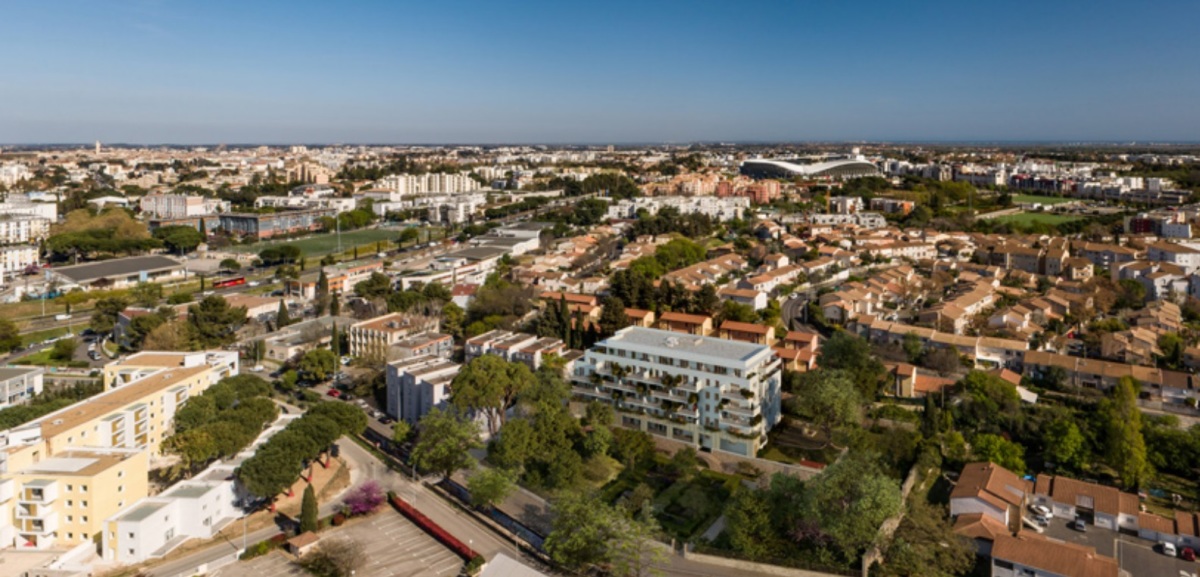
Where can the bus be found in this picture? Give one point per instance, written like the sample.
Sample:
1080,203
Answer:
226,283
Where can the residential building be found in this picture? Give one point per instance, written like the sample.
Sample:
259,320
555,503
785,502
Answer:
181,206
992,490
19,385
15,259
748,332
292,341
685,323
375,336
73,468
418,384
422,344
21,229
153,526
711,393
341,278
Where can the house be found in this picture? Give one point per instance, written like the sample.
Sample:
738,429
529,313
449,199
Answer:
421,344
1136,346
992,490
375,336
748,332
1028,554
685,323
302,543
911,382
748,297
640,318
1070,498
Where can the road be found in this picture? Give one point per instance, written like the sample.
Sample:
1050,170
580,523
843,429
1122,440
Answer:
793,308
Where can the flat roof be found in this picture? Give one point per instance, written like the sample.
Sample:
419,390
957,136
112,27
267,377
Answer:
119,267
143,511
76,463
476,253
118,398
7,373
668,342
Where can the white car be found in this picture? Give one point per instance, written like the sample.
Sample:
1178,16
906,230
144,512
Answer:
1168,549
345,361
253,283
1041,510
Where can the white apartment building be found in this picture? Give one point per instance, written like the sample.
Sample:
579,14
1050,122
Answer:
22,205
304,202
153,526
181,206
11,174
14,259
845,204
712,393
19,384
416,385
21,229
409,184
719,208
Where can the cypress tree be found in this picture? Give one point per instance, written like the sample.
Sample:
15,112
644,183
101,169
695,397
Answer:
335,304
282,318
308,510
334,342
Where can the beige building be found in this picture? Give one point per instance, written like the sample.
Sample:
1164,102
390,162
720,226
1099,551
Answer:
373,337
63,474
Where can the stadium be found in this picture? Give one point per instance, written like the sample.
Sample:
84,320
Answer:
821,167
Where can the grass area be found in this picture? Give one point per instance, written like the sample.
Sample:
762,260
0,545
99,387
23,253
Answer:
43,359
1030,199
39,336
322,244
1028,218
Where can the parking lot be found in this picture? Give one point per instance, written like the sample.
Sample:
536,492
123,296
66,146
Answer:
393,547
1141,558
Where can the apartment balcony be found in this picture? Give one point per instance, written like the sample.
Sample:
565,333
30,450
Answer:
744,429
739,410
39,492
736,396
38,526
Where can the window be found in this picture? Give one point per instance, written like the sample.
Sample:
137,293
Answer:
70,519
83,488
70,535
70,503
120,488
120,474
131,552
83,503
70,487
83,518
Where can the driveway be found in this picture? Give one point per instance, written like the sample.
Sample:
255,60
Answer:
1142,559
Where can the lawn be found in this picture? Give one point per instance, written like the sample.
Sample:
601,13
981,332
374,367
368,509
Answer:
39,336
1028,218
321,244
43,359
1031,199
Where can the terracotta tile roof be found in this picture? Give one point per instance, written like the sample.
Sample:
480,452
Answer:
1156,523
979,526
1107,500
992,483
1066,559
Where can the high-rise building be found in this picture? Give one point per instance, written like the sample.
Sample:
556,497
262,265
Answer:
711,393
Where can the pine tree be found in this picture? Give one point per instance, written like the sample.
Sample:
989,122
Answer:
308,510
282,318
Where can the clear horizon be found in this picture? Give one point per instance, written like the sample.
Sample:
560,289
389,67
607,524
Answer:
622,73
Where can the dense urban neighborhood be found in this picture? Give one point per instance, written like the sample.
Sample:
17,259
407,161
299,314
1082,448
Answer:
871,359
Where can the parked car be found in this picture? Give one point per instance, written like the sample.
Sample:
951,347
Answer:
1042,521
334,393
1168,549
345,361
1187,554
1041,510
1079,525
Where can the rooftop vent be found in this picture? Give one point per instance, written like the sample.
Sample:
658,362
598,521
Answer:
671,342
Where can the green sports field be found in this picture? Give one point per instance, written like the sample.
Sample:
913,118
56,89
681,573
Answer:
322,244
1030,199
1027,218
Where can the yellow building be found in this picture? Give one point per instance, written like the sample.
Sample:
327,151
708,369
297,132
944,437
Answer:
101,445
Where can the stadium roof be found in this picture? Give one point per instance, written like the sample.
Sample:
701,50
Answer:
833,167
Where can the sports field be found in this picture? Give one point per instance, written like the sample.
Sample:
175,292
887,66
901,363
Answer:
1031,199
321,244
1027,218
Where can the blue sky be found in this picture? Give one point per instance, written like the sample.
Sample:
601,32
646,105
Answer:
597,72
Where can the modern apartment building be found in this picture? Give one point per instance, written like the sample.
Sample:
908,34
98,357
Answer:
181,206
20,229
715,394
63,474
15,259
416,385
373,337
19,384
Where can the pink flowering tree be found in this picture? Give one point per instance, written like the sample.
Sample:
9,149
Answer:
365,498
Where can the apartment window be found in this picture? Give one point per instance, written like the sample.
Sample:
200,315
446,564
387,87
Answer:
70,519
70,503
83,503
120,474
83,488
131,552
131,537
70,535
83,518
120,488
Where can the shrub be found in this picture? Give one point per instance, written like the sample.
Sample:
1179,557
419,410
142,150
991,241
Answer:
365,499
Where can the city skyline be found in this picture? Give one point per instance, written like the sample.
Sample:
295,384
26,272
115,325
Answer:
539,72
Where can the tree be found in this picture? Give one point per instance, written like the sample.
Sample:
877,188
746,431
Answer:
452,319
612,316
365,499
169,336
322,297
444,441
830,400
998,450
852,354
912,346
925,544
407,236
349,418
1172,346
683,464
64,349
489,486
10,335
230,264
181,239
308,510
489,385
748,525
146,294
335,558
634,553
401,430
581,532
378,285
706,300
318,364
1126,448
214,323
282,317
849,500
104,316
1065,445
